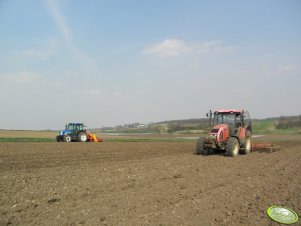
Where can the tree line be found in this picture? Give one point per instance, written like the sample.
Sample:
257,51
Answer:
287,122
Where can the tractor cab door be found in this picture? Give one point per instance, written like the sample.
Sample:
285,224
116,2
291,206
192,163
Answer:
76,130
239,121
247,120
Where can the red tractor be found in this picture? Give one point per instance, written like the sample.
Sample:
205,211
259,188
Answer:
230,132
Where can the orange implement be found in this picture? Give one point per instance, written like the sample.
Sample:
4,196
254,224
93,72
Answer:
265,147
93,138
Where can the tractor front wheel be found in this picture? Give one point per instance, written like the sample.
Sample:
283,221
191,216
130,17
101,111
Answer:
67,138
82,137
199,149
232,147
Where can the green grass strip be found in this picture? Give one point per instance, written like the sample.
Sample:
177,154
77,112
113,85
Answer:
26,139
36,139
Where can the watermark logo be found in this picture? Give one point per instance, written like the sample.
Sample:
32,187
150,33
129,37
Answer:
282,214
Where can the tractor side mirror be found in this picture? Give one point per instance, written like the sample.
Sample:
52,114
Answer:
209,114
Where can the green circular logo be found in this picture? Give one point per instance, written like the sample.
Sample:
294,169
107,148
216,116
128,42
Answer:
282,214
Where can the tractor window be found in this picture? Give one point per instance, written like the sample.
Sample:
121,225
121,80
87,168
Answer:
70,127
239,120
224,119
247,118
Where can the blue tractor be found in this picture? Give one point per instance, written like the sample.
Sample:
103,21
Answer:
73,132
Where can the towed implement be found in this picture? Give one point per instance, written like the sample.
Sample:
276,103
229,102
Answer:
265,147
93,138
76,132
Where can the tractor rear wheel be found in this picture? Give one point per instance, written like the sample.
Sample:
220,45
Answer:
199,149
248,143
67,138
82,137
232,147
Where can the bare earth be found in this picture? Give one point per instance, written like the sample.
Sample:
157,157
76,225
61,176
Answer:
145,183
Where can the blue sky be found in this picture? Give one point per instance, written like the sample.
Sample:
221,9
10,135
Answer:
114,62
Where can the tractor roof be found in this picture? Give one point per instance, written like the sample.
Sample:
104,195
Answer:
225,111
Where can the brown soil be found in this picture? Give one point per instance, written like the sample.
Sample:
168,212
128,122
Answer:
152,183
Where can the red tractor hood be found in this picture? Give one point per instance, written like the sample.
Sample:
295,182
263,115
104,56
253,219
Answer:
220,132
216,128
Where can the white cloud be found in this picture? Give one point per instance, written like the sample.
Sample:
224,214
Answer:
35,53
19,77
60,21
169,47
288,68
72,74
211,47
94,91
176,47
43,51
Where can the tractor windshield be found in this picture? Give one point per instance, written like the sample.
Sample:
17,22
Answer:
224,119
72,126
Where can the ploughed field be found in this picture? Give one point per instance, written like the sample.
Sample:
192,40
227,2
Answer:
145,183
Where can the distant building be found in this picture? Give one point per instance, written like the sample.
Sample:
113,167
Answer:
130,125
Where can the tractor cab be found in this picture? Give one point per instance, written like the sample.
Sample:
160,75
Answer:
73,128
232,119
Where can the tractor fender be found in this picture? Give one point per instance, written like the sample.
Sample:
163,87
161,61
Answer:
242,133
